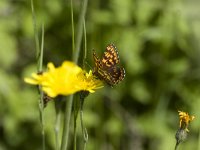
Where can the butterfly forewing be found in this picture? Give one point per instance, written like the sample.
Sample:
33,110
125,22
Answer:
97,62
110,57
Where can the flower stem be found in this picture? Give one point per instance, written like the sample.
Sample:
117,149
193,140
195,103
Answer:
76,109
41,103
84,130
39,57
176,146
75,59
66,122
57,123
57,129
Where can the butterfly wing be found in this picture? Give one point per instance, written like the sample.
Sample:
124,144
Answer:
97,71
110,57
116,74
106,69
97,61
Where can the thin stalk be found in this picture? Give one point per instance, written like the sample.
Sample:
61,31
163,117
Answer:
199,141
72,20
57,123
41,103
35,32
75,131
80,30
66,122
75,59
57,129
73,50
76,108
39,57
84,130
176,146
85,43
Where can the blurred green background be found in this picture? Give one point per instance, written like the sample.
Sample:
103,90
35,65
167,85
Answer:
159,46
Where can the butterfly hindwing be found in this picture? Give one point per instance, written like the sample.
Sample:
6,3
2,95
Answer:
117,74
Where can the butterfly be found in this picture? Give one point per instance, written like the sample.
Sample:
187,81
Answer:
107,68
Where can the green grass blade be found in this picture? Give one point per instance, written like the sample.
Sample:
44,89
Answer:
72,20
35,31
80,30
85,44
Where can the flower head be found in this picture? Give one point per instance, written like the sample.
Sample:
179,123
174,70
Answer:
88,82
65,80
185,120
182,132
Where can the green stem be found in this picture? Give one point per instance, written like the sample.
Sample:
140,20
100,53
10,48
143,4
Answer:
176,146
35,32
75,131
66,122
75,59
199,141
41,53
80,30
41,108
76,109
57,124
41,103
84,130
85,44
72,20
39,56
57,129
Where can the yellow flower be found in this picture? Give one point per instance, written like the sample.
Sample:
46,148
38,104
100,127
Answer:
88,82
185,120
65,80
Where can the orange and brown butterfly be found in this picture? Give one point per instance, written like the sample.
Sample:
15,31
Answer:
107,68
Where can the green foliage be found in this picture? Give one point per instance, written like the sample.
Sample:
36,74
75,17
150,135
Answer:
158,44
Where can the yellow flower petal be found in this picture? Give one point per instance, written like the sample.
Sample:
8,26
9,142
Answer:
185,119
51,66
30,81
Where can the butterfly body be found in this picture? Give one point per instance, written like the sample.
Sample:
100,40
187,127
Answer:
107,68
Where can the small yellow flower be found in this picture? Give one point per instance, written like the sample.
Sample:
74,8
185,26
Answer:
185,120
65,80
